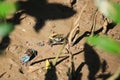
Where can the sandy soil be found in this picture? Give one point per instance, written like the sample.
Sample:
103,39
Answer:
35,21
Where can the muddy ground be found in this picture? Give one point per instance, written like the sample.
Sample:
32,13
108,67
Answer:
35,21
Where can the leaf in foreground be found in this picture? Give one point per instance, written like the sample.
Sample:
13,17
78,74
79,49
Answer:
109,9
105,43
7,8
5,29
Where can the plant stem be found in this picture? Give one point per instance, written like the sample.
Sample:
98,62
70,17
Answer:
94,23
76,25
58,54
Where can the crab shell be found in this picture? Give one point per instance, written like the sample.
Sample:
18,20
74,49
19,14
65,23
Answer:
27,55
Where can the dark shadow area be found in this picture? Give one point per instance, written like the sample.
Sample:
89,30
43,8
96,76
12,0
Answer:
104,76
110,26
81,37
1,75
71,68
63,58
51,73
104,66
74,73
21,70
16,18
4,43
33,56
67,57
87,33
73,2
78,71
98,31
71,72
47,59
42,11
118,78
92,61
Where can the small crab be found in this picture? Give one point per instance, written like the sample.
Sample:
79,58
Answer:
56,39
29,55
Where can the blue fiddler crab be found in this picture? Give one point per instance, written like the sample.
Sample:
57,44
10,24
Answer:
29,55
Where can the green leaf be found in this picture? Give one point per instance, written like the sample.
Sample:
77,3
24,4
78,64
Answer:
105,43
5,29
109,9
7,8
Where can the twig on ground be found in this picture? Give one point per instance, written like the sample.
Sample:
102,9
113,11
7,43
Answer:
105,24
71,70
76,26
1,75
50,58
58,54
94,23
71,67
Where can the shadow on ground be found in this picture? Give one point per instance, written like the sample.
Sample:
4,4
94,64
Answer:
41,10
92,61
51,73
4,43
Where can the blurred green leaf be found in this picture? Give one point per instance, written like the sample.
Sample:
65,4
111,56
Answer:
105,43
5,29
7,8
109,9
1,0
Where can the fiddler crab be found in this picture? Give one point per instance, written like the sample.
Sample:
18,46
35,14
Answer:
56,39
29,55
